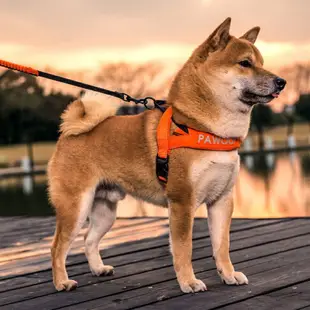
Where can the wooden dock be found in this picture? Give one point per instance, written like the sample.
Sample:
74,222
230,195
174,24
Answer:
274,254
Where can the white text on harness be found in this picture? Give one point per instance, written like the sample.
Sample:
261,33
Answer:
205,139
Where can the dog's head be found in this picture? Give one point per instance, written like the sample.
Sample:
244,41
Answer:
232,69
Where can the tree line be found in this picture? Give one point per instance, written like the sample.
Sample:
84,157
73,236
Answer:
29,113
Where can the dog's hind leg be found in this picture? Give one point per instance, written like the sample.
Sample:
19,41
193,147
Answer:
102,217
70,217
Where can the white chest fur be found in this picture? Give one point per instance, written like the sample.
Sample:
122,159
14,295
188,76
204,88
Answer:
212,174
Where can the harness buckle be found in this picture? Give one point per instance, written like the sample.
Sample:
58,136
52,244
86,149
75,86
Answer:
162,168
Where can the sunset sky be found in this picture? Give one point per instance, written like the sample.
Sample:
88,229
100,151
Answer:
82,34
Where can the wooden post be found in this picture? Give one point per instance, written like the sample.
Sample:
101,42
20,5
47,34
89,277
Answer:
27,179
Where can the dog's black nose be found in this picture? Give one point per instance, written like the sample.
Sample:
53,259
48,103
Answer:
280,83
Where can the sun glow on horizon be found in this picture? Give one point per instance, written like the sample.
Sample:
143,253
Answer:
276,54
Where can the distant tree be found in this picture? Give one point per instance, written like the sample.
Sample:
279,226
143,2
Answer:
305,164
261,119
302,108
20,90
27,114
138,81
20,96
298,82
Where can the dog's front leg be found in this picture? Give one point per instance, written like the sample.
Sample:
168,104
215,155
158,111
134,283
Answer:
219,220
181,219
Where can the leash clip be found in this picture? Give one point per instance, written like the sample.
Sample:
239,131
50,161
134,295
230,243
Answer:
149,102
126,97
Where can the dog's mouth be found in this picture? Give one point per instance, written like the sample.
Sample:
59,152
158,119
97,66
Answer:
251,98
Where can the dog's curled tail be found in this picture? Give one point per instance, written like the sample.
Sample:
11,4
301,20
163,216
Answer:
84,114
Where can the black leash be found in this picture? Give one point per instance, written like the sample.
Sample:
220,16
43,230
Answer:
148,102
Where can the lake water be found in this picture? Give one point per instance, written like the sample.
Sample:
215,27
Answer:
269,186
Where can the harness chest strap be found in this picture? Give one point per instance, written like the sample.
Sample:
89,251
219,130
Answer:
191,139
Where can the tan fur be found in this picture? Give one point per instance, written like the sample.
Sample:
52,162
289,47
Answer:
83,115
100,157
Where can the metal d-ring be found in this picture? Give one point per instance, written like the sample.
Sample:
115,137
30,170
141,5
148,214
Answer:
149,103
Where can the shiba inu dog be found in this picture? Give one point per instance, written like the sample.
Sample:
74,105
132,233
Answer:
99,158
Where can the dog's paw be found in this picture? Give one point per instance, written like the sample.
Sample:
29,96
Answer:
192,286
235,278
67,285
104,270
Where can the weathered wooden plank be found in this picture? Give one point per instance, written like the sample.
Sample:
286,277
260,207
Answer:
7,219
265,274
114,233
14,224
17,226
296,296
161,274
273,274
146,253
28,226
200,230
30,254
39,223
29,232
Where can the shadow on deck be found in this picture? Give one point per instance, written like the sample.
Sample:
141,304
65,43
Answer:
274,254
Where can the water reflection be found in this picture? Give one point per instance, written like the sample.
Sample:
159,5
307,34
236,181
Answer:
270,185
278,190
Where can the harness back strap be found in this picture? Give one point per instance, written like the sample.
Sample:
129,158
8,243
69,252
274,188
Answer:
190,139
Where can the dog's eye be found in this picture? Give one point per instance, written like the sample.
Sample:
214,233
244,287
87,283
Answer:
245,63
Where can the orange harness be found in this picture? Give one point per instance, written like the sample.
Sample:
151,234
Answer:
186,137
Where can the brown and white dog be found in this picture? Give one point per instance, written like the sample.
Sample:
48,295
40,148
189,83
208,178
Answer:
99,158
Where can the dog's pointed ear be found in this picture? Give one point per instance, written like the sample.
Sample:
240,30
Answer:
220,36
217,40
251,35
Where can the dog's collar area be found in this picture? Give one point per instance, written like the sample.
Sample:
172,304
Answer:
184,136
